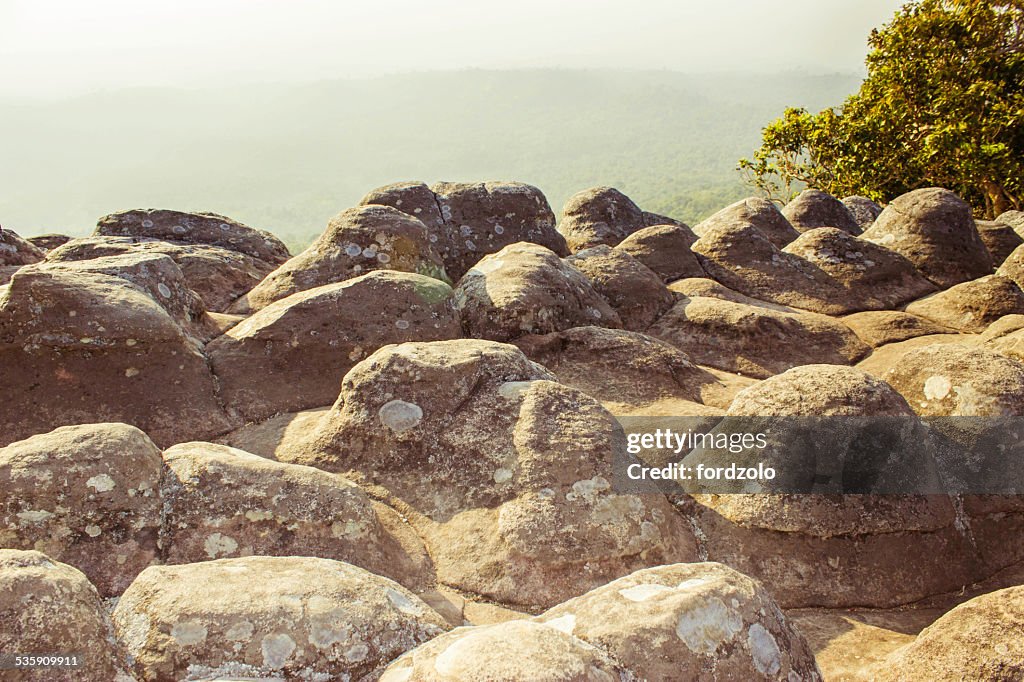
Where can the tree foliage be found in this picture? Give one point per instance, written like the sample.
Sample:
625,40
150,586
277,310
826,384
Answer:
942,105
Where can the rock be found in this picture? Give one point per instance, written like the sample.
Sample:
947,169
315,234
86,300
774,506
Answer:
527,289
1000,239
952,380
498,468
599,215
701,621
1002,327
194,228
879,327
872,276
863,210
617,366
220,502
977,640
218,275
656,219
665,249
49,242
1013,266
760,213
357,240
85,347
86,495
1014,219
515,650
467,221
300,618
933,228
753,340
293,354
972,306
632,289
48,607
16,251
709,288
813,208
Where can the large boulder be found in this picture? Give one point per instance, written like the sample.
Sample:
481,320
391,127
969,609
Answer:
49,242
217,274
977,640
632,289
50,608
298,618
501,470
84,347
194,228
665,249
466,221
17,251
1000,239
1014,219
863,210
754,340
872,276
355,242
879,327
760,213
701,621
527,289
693,287
972,306
292,354
85,495
1012,266
813,208
934,229
599,215
514,650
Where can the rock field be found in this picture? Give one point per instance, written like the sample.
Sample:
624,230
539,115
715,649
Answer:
389,458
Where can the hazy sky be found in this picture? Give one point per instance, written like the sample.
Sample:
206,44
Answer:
56,47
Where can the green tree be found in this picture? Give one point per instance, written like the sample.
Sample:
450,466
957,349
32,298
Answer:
942,105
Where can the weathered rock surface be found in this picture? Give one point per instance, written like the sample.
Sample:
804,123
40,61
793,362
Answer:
879,327
48,607
934,230
665,249
301,618
1000,239
693,287
527,289
86,347
863,210
17,251
85,495
760,213
972,306
599,215
1014,219
49,242
194,228
501,470
813,208
978,640
1013,266
701,621
754,340
632,289
293,354
355,242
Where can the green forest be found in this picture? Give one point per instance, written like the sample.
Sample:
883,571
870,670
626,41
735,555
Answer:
286,157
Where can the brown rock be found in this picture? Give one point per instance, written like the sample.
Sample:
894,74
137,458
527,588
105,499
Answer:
86,495
50,608
665,249
356,241
1005,325
16,251
599,215
753,340
693,287
863,210
632,289
701,621
49,242
813,208
656,219
194,228
933,228
1014,219
760,213
971,306
300,618
527,289
1013,266
1000,239
292,354
879,327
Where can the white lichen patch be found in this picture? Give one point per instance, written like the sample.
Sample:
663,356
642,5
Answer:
93,530
34,515
708,625
217,544
276,650
588,489
764,650
937,387
566,623
240,631
101,483
513,390
402,602
189,633
641,593
502,475
692,583
400,416
357,652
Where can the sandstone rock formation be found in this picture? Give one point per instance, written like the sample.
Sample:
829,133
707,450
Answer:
293,354
665,249
599,215
760,213
1014,219
301,618
16,251
1013,266
632,289
863,210
527,289
49,242
933,228
972,306
693,287
48,607
1000,239
355,242
879,327
813,208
